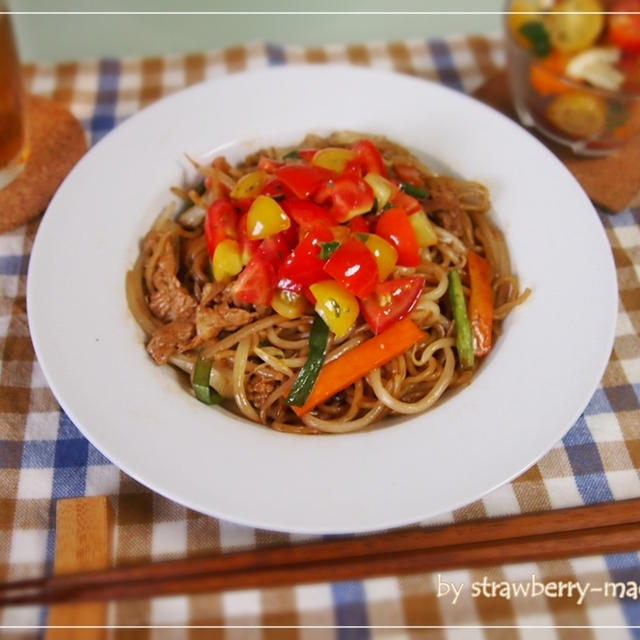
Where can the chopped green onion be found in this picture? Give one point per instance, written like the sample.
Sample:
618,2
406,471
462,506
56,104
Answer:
200,381
291,155
386,206
416,192
306,378
363,237
327,248
464,337
536,33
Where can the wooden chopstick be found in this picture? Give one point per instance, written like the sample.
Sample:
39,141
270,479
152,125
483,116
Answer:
595,529
82,543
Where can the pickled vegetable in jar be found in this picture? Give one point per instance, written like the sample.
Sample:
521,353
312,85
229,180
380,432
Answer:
575,69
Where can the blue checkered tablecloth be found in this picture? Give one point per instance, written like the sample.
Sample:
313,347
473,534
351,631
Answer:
43,457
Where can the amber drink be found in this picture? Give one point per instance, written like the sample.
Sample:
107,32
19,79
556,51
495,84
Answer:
11,103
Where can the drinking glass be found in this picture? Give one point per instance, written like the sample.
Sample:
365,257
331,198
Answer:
12,130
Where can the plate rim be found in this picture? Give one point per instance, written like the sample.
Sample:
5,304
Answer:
248,521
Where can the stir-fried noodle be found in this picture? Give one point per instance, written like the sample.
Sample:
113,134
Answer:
256,353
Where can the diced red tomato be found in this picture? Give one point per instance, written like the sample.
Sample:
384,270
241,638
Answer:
306,214
354,169
349,196
369,157
624,24
268,165
255,284
209,182
276,189
353,266
309,296
303,265
220,223
247,246
243,205
409,173
274,249
359,224
393,225
303,179
391,301
307,154
292,235
629,65
403,200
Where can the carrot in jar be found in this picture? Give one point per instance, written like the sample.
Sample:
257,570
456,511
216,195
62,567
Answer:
545,75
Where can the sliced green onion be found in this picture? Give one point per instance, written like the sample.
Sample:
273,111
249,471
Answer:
464,337
293,154
306,378
412,190
536,33
200,381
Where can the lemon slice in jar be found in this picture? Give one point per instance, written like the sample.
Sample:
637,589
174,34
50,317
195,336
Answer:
575,24
578,114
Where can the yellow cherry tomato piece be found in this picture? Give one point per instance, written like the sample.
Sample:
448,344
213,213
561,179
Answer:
425,233
382,188
385,254
578,114
333,158
289,304
335,305
574,25
266,218
249,185
227,260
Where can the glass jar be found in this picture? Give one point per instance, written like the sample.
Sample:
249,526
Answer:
588,119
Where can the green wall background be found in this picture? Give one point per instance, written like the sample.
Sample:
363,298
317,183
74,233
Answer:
66,36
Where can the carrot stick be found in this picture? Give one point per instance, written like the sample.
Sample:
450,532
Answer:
355,364
480,303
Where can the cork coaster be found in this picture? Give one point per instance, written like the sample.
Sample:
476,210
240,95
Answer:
56,142
612,181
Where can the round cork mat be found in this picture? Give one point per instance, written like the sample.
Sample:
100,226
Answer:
56,142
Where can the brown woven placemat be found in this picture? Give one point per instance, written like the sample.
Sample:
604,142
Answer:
56,142
612,182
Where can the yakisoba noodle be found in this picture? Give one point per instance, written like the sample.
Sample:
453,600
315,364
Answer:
226,281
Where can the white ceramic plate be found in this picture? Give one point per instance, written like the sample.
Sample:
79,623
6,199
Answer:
533,387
